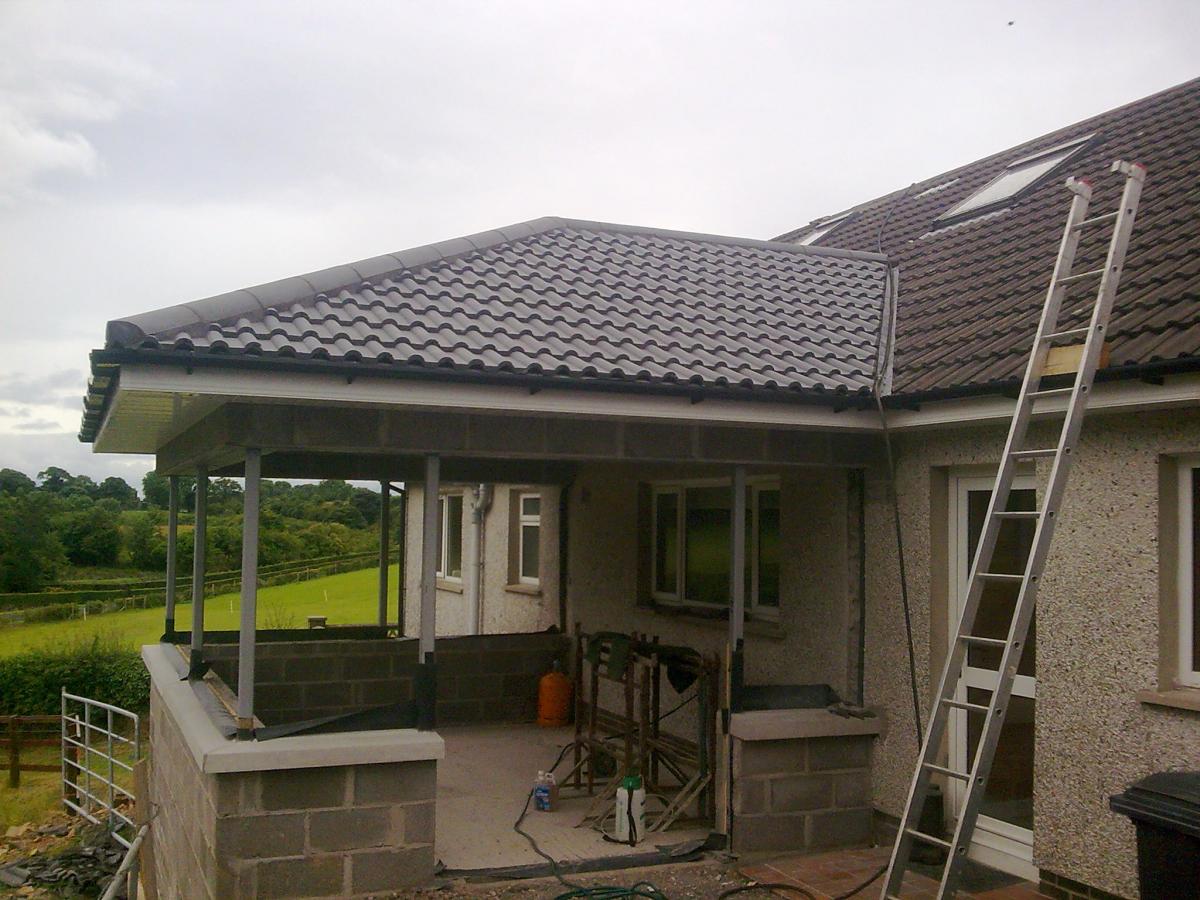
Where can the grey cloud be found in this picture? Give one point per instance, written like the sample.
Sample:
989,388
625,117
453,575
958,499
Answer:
47,388
38,425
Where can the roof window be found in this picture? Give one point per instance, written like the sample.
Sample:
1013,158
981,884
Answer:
820,230
1020,175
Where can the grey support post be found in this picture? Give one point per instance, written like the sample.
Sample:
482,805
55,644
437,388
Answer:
737,588
426,671
249,620
385,527
172,555
199,535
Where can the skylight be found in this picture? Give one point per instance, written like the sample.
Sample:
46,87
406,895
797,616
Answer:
822,229
1020,174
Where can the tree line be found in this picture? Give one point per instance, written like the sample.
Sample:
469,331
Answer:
59,524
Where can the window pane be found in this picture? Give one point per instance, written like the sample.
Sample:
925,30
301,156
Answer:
454,514
999,599
441,558
1010,182
1196,570
531,505
707,544
768,548
530,535
666,543
1008,795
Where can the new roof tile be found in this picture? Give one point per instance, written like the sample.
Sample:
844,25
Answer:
566,298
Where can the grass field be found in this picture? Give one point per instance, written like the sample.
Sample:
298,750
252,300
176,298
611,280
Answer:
348,598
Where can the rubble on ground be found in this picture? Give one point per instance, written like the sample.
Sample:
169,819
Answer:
64,857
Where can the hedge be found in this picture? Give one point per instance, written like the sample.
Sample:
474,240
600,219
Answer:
31,682
47,598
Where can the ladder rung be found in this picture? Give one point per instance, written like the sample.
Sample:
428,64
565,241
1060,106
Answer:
1094,219
1001,576
1069,333
922,836
961,776
980,639
1069,279
1015,514
963,704
1050,392
1035,454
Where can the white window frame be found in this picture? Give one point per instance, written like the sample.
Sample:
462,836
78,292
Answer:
755,485
444,534
524,521
966,208
823,228
1186,675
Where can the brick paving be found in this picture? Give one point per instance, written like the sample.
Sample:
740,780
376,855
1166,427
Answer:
829,875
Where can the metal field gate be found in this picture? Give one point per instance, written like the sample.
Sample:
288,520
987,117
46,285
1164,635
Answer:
100,745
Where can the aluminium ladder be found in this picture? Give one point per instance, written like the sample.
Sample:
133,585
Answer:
974,781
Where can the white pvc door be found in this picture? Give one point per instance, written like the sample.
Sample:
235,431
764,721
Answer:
1004,833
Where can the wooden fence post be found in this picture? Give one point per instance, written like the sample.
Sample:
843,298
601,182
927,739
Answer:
14,753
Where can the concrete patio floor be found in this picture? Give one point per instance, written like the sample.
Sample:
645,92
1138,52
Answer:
827,875
482,785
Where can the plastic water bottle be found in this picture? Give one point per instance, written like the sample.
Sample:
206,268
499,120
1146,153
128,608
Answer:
545,792
631,810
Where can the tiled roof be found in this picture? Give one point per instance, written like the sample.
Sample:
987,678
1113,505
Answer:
566,299
970,293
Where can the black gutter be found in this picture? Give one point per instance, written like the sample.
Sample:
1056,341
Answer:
534,381
1130,372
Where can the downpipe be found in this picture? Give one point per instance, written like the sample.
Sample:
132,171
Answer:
481,502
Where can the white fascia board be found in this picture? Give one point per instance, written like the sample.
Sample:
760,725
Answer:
299,387
1107,398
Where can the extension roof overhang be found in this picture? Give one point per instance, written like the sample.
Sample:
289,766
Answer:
971,291
560,301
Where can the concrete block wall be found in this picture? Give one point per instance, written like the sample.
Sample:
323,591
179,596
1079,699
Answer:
336,831
483,678
802,794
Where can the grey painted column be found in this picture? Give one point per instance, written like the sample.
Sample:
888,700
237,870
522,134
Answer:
427,672
249,611
737,587
385,527
172,553
199,535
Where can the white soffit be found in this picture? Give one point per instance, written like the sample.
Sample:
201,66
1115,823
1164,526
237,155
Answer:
152,404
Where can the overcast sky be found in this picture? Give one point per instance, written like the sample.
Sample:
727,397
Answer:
157,153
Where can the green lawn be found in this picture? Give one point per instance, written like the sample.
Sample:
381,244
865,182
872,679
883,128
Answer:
349,598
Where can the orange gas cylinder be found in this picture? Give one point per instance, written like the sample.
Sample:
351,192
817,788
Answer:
554,698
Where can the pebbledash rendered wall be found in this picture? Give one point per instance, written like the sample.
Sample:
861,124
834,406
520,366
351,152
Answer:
1098,630
327,831
506,606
